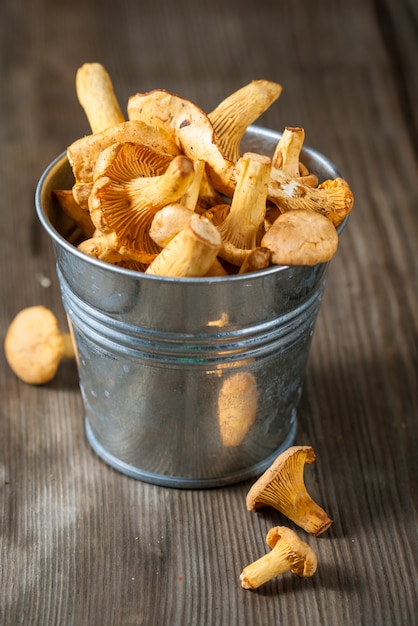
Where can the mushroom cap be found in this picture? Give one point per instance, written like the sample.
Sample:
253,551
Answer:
301,557
83,153
235,113
191,128
301,237
34,345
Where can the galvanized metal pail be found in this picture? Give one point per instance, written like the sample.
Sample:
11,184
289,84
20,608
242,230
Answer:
186,383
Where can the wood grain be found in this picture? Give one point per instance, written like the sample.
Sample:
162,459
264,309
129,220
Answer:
82,544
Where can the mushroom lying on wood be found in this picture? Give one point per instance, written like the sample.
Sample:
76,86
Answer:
288,553
96,95
34,345
231,118
282,487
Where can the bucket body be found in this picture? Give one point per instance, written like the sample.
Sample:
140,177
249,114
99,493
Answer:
186,383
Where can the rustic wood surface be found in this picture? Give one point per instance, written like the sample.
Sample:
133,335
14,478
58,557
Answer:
84,545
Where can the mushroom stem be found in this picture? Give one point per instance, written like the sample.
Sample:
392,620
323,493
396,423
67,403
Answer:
34,345
288,553
96,95
242,228
192,252
287,152
258,259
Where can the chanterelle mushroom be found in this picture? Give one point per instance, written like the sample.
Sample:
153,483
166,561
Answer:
83,153
334,199
282,487
235,113
96,95
301,237
34,345
288,553
242,228
286,156
126,206
191,128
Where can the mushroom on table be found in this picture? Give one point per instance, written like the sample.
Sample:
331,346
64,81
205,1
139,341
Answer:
289,553
282,487
34,345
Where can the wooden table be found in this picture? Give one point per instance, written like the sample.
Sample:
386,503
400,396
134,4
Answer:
82,544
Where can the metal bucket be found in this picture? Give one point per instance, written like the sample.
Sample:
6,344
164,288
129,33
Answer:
187,383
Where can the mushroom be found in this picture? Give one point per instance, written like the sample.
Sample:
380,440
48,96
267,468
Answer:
34,345
237,407
126,205
192,252
287,154
231,118
127,159
334,199
191,129
243,226
288,553
301,237
282,487
95,93
83,153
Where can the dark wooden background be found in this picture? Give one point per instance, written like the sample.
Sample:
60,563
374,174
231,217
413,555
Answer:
84,545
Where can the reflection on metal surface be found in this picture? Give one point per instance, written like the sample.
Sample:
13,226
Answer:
237,407
221,322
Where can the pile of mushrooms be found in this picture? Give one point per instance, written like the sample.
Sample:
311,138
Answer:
170,180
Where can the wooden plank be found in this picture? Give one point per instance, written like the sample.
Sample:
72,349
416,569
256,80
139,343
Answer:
82,544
